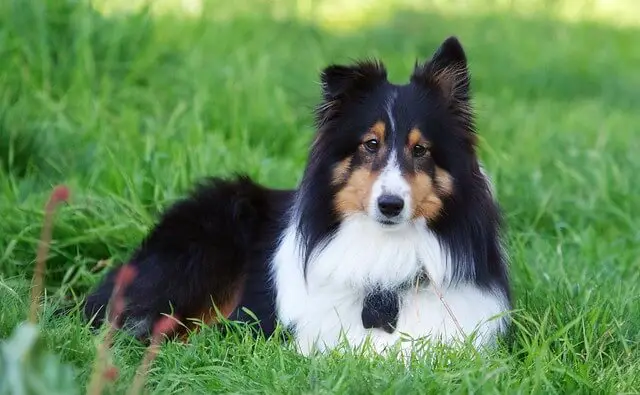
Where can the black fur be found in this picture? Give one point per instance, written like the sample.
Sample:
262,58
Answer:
198,252
223,235
355,97
381,309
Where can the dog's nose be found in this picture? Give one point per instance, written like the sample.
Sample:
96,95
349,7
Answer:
390,205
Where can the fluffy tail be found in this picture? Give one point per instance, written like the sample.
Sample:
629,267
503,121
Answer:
194,257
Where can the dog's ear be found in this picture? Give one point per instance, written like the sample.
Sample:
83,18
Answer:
339,82
447,70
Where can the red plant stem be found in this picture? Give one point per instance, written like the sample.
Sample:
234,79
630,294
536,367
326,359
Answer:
125,276
102,370
59,194
164,326
101,365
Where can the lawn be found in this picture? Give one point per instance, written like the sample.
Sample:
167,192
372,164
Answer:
128,107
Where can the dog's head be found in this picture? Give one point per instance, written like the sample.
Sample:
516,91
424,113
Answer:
392,152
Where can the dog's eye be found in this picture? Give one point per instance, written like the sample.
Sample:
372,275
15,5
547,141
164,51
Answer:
419,151
371,145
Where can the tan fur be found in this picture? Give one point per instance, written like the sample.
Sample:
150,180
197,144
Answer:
208,315
427,195
354,197
426,203
378,129
414,138
382,148
444,182
340,171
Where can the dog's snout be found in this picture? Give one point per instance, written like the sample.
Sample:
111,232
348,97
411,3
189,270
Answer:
390,205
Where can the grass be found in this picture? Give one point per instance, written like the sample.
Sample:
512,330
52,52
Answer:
129,107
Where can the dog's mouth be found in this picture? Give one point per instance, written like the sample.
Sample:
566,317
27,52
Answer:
388,224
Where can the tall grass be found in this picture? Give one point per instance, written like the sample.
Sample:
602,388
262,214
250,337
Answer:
128,106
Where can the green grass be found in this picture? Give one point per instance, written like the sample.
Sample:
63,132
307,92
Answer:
129,108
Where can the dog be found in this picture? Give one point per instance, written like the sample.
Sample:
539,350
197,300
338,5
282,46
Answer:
393,233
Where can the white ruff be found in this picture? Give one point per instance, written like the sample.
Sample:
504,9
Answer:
327,308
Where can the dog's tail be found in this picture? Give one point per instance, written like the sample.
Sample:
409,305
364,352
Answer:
197,255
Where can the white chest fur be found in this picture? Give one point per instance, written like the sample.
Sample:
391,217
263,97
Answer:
326,309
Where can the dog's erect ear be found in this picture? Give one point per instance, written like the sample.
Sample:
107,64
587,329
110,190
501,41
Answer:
447,70
340,81
449,54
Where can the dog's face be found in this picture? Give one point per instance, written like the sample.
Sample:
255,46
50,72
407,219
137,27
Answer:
394,151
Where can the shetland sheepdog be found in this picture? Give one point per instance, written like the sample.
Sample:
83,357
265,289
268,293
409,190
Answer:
393,233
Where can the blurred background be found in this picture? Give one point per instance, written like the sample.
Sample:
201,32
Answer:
129,102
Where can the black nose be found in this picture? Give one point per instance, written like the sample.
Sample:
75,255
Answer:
390,205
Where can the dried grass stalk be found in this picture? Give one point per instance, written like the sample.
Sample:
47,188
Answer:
164,326
103,371
59,194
